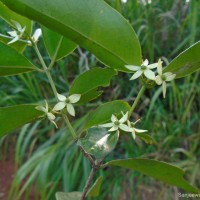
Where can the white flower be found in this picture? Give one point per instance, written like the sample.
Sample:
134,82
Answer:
162,78
144,69
49,115
67,102
36,35
17,34
117,124
134,130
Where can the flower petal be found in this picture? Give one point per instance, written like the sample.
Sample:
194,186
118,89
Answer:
133,134
129,123
149,74
50,116
140,130
124,118
158,80
164,89
12,33
108,125
133,67
171,77
41,108
59,106
22,30
61,97
114,128
137,121
124,127
74,98
152,66
145,63
136,75
70,109
167,74
113,118
17,25
159,67
37,34
54,123
14,40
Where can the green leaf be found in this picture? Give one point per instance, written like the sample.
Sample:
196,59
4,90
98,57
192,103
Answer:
12,62
160,170
68,196
57,46
95,189
8,15
146,138
87,83
185,63
15,116
93,25
89,96
104,112
98,142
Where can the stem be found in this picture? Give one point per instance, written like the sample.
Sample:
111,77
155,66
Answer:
48,74
71,129
136,100
46,71
55,54
88,183
92,162
95,166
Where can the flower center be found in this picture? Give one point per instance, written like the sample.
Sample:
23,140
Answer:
67,100
163,77
143,67
116,123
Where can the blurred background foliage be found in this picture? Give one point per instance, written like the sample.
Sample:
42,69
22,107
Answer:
47,160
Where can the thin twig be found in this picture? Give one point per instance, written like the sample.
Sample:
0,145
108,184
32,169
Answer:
87,185
91,160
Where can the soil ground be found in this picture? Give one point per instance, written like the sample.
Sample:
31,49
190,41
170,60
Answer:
6,176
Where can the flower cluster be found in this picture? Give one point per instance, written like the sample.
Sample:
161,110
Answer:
123,124
161,78
51,117
64,102
67,102
18,33
146,70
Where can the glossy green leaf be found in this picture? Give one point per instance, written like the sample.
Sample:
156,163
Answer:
57,46
99,142
185,63
146,138
160,170
93,25
15,116
89,96
68,196
104,112
88,83
95,189
8,15
12,62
